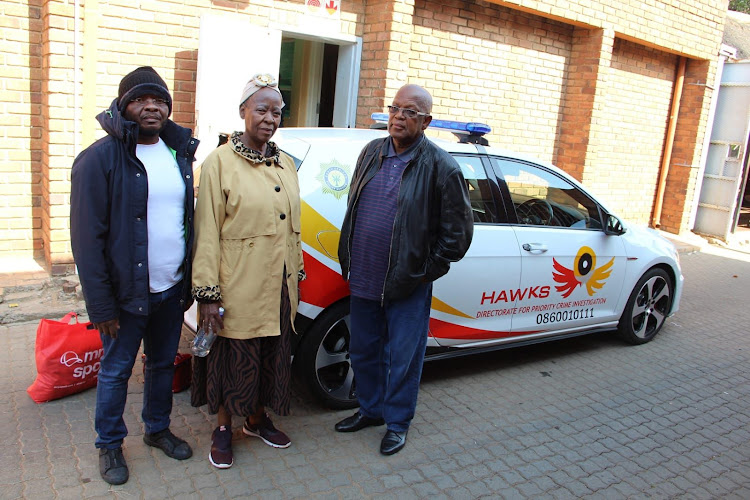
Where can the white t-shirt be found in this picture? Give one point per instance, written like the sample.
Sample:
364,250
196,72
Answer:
165,215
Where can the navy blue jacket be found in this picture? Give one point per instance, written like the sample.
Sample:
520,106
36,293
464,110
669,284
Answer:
108,219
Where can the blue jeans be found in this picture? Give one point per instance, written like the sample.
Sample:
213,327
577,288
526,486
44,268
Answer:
387,351
160,333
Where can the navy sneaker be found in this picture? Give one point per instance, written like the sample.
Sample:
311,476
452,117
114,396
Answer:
220,455
267,432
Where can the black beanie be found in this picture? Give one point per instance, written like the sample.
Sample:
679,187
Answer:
139,82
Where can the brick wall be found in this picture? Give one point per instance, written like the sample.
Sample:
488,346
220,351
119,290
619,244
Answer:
386,37
560,80
57,132
686,26
630,132
493,65
587,83
20,128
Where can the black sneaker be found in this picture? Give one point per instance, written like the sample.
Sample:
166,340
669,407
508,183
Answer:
112,466
171,445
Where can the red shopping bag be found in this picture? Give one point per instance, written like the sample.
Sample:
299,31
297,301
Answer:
67,358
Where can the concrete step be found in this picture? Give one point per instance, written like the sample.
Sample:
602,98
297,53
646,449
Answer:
50,298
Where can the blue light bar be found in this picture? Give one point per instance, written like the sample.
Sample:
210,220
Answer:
450,125
461,127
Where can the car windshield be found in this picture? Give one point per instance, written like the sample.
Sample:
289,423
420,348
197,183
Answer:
294,147
543,198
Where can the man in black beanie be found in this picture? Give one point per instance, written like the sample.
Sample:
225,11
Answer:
131,228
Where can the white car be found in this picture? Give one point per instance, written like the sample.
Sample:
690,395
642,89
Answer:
547,260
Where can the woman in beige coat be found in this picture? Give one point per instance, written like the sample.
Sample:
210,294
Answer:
248,259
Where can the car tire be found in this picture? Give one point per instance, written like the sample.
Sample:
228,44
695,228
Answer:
647,308
322,358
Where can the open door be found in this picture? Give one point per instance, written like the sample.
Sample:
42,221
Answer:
723,177
220,78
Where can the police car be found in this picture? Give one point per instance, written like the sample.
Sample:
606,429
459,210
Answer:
547,260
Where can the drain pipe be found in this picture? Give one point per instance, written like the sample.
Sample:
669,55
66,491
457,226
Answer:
664,172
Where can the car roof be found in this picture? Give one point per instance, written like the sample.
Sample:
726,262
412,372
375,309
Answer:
330,135
297,141
289,135
327,134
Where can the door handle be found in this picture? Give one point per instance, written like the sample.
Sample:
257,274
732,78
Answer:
534,247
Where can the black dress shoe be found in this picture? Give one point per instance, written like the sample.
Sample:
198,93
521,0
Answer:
392,442
357,422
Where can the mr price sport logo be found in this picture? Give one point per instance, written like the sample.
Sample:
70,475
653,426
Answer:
584,272
90,362
70,358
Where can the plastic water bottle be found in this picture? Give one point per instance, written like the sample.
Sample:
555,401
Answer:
204,339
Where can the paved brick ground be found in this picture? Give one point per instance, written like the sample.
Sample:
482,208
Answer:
584,418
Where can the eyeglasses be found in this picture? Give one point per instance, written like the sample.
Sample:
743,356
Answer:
408,113
158,101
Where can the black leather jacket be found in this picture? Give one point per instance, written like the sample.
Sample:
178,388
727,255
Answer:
433,225
108,229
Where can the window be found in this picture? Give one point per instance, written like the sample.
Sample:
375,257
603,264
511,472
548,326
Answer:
480,189
541,198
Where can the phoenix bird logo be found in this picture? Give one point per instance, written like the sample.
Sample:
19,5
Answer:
584,272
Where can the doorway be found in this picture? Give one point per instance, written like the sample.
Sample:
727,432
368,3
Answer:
307,79
743,204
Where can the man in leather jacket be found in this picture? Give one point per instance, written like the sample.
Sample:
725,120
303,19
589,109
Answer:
408,217
131,227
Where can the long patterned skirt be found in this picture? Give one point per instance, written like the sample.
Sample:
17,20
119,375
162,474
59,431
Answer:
240,375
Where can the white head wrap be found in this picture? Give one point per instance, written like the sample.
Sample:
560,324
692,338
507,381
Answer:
257,82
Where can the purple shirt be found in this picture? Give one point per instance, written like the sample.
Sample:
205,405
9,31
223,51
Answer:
373,227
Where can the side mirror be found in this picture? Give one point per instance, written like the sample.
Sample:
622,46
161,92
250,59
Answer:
613,227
